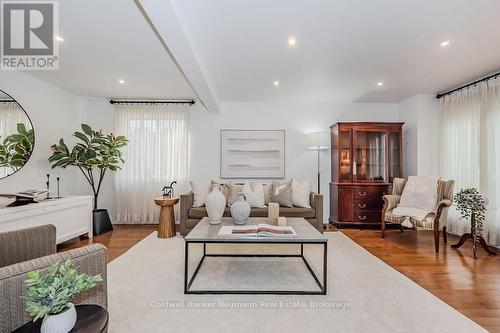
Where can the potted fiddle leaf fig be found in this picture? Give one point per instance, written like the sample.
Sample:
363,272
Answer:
49,295
94,155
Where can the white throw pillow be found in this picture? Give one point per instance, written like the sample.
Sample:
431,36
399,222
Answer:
420,192
301,192
200,192
254,194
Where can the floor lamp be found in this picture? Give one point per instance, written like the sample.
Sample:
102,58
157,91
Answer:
318,141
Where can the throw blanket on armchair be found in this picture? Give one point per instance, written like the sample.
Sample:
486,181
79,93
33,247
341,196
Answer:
418,199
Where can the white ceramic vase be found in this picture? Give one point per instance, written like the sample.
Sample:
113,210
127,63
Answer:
240,210
215,204
60,323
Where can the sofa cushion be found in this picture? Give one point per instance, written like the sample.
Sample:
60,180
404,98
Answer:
297,212
201,212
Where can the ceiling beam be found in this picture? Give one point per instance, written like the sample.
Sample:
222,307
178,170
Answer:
165,23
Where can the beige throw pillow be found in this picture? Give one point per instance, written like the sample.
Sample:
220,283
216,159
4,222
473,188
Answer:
254,194
282,193
200,192
300,193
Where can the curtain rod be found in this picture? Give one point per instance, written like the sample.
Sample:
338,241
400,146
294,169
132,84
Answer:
493,76
153,102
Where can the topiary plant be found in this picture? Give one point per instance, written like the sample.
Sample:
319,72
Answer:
471,206
51,293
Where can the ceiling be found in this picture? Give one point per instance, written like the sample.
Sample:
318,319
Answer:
344,47
105,41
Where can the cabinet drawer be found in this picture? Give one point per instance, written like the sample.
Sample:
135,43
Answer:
372,203
370,192
367,217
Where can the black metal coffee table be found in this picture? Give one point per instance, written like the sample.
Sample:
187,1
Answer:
205,233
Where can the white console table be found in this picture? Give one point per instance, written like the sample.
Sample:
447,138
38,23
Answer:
72,216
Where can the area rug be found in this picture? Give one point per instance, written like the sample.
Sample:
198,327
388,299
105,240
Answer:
145,288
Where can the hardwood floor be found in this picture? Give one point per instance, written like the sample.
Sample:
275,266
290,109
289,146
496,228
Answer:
117,241
470,286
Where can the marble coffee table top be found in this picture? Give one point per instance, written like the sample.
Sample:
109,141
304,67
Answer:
206,232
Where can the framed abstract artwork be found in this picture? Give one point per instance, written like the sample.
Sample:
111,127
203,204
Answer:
252,154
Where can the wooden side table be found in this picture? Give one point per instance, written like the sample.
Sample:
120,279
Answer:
89,319
470,235
166,228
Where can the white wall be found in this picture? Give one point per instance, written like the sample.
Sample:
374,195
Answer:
55,113
421,115
429,117
296,119
408,110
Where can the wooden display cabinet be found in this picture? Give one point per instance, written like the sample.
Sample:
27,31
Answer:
366,156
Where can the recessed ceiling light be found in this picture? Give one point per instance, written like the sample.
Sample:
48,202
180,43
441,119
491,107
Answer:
59,38
445,43
276,83
121,81
292,41
380,84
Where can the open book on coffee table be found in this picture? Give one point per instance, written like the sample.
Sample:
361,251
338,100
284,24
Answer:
257,231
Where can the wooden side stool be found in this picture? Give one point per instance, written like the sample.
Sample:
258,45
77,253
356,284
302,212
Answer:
166,228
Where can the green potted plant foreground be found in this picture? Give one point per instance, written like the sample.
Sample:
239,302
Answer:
94,154
49,295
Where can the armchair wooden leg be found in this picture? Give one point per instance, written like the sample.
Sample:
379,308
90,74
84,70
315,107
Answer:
436,237
401,226
445,237
383,227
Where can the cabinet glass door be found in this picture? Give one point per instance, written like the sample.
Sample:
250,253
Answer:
394,155
370,156
345,155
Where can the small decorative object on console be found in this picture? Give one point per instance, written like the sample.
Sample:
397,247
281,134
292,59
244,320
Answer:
215,203
240,210
58,192
25,197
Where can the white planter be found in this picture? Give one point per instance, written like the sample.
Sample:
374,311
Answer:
215,204
240,210
60,323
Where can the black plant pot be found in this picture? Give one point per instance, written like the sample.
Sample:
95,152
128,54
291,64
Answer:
102,222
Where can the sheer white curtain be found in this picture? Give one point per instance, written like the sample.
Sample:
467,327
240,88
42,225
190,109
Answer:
11,114
157,154
470,149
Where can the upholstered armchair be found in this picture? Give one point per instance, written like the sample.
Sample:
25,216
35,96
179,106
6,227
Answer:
435,221
25,250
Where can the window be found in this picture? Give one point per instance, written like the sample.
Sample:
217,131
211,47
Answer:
157,154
